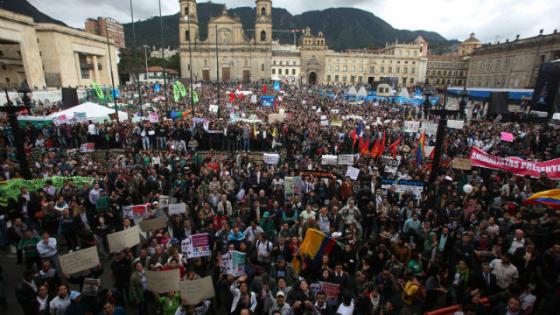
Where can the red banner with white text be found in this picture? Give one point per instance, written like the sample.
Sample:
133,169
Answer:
515,165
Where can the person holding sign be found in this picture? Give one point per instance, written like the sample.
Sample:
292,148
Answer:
242,296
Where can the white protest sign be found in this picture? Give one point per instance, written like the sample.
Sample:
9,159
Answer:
177,208
80,260
455,124
352,172
271,158
213,108
196,291
346,159
163,281
329,159
391,164
411,126
163,201
123,239
429,128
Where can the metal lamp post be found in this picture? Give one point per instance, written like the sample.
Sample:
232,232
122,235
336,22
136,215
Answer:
163,58
188,20
146,61
11,110
463,103
426,106
440,138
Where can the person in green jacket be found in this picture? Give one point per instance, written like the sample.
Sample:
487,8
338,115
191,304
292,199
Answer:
137,289
268,226
102,203
28,244
169,303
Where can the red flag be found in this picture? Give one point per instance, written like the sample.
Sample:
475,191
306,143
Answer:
364,146
265,88
393,147
375,150
231,97
382,148
240,96
354,136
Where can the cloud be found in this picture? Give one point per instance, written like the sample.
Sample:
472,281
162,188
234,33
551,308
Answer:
490,20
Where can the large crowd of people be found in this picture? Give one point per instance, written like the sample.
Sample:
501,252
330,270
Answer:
396,251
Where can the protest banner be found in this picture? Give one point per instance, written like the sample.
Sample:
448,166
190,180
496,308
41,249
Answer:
506,136
91,287
428,127
332,291
401,186
163,281
455,124
135,212
411,126
274,118
163,201
515,165
196,245
391,164
461,164
177,208
352,172
329,159
123,239
346,159
87,147
11,189
271,158
196,291
233,263
79,260
151,225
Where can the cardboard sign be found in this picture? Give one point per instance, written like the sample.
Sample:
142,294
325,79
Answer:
274,118
271,158
329,159
352,172
506,136
346,159
196,291
153,224
177,208
455,124
123,239
87,147
411,126
196,245
461,164
80,260
163,281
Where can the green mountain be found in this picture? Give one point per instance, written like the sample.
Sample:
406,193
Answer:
344,28
25,8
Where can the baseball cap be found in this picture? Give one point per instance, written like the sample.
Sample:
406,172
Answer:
280,293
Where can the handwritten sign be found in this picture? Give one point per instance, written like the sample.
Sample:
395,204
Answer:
80,260
429,128
177,208
346,159
271,158
123,239
352,172
153,224
163,281
506,136
391,164
411,126
196,245
196,291
455,124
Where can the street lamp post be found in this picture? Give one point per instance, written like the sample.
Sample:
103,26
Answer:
426,106
113,94
440,138
163,58
146,61
187,18
463,102
11,111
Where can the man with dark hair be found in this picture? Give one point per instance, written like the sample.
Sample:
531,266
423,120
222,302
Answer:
321,305
26,292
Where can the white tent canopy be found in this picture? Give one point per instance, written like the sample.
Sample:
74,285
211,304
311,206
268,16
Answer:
352,91
93,111
404,93
362,92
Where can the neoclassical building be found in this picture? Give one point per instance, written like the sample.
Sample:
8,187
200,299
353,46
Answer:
229,53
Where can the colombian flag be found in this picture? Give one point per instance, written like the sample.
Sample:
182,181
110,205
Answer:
549,198
314,246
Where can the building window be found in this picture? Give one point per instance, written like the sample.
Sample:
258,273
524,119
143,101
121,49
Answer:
273,71
372,69
4,67
344,68
382,69
398,69
412,70
293,63
360,79
337,68
344,79
1,53
263,11
262,67
329,78
274,62
405,70
293,71
281,62
279,71
187,36
205,62
390,69
263,36
186,10
411,80
336,78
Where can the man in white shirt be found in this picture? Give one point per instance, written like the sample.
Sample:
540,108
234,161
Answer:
94,194
61,302
47,249
517,242
252,231
506,273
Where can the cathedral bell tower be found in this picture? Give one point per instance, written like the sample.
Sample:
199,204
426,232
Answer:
263,22
188,23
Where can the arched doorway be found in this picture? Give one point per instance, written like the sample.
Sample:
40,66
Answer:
312,78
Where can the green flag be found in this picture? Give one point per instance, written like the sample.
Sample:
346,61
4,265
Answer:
176,92
182,89
98,91
11,188
194,97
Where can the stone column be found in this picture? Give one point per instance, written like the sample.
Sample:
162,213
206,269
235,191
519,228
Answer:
78,68
95,69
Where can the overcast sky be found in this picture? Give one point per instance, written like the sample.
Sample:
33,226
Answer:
491,20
